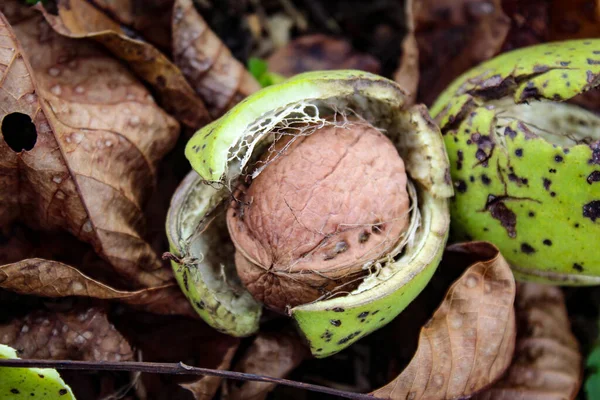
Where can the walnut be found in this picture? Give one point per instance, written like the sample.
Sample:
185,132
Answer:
325,205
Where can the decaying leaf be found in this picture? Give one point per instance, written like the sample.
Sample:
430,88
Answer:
81,137
529,23
205,387
47,278
407,73
75,335
547,363
79,19
19,242
574,19
150,18
273,354
469,341
454,36
173,339
207,63
319,52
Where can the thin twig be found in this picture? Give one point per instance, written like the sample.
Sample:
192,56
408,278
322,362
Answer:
174,369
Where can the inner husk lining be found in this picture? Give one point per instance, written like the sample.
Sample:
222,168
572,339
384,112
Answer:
562,124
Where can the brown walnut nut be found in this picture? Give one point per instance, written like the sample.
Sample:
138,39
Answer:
324,205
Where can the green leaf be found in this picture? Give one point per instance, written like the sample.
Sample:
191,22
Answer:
260,70
30,383
592,382
257,67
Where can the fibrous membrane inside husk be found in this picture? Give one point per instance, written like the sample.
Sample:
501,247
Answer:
561,124
417,254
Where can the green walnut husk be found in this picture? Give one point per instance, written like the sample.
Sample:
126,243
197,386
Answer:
526,161
30,383
220,154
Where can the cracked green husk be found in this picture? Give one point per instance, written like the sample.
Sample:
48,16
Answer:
219,153
516,147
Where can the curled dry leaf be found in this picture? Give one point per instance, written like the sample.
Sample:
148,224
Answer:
407,73
82,138
48,278
18,242
319,52
79,19
469,341
76,335
150,18
453,36
547,364
274,354
207,63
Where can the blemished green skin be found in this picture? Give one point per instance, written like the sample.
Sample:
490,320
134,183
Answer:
549,193
30,383
331,325
209,304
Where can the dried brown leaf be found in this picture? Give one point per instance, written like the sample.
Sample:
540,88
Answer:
547,364
173,339
319,52
150,18
469,341
206,387
99,138
529,23
575,19
207,63
18,242
407,73
454,36
273,354
48,278
79,19
76,335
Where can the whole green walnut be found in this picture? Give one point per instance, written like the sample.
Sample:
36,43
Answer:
374,176
525,159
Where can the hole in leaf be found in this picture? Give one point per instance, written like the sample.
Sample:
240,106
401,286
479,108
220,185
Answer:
19,132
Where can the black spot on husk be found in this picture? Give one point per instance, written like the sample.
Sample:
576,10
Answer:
592,210
527,249
593,177
461,186
349,337
498,210
460,158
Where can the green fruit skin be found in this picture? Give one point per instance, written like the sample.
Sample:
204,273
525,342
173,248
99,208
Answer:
332,325
544,189
210,304
30,383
